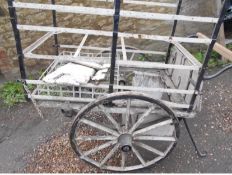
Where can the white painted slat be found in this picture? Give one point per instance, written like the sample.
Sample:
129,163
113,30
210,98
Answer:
144,89
167,17
38,43
176,105
109,34
69,58
110,12
80,46
123,49
118,50
151,65
88,100
146,3
121,63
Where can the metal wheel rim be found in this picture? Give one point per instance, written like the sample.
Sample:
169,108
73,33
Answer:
120,168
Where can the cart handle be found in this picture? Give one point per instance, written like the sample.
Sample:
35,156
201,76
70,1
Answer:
209,77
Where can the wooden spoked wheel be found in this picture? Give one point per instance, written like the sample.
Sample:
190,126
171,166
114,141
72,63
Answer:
124,131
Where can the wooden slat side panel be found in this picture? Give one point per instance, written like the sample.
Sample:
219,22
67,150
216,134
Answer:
183,79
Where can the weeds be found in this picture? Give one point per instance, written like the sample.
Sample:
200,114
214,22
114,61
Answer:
229,46
12,93
215,60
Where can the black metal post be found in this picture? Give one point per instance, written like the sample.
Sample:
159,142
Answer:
173,31
13,20
209,51
54,20
117,5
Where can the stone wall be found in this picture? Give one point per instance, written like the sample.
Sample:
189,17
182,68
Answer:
8,59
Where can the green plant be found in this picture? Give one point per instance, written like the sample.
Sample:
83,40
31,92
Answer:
199,56
215,60
142,58
229,46
12,93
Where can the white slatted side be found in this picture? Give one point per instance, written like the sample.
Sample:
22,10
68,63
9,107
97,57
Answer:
109,34
110,12
143,89
118,50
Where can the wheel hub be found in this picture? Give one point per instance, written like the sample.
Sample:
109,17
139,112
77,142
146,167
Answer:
125,141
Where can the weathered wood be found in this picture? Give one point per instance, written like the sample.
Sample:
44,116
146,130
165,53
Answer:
187,54
149,148
146,129
222,50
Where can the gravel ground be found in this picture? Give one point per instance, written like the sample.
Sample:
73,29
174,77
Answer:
30,144
22,130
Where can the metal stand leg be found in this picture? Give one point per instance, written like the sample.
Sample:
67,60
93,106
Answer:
199,153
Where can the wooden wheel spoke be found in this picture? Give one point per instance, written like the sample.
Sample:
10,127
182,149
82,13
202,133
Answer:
100,127
149,148
166,122
137,127
123,160
128,113
156,138
99,148
109,116
109,155
95,138
141,119
138,155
